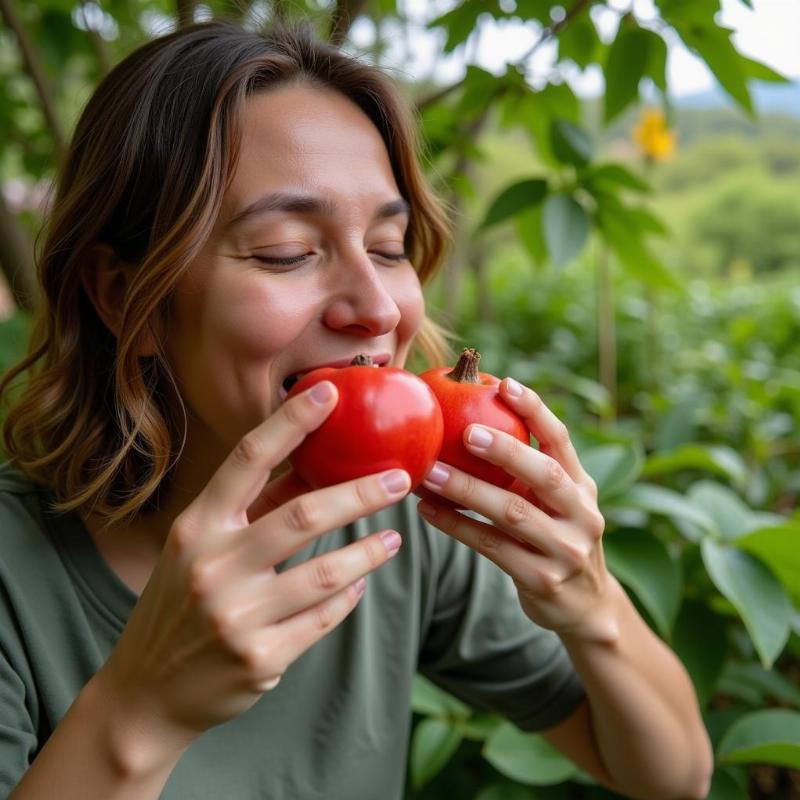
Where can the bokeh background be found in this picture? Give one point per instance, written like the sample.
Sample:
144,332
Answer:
624,180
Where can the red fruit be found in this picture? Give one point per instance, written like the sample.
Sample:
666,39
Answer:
466,396
386,418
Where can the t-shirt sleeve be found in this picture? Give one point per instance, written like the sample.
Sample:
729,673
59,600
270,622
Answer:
480,646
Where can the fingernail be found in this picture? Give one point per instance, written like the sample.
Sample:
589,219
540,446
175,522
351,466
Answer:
438,475
391,541
395,482
360,585
513,388
322,392
479,437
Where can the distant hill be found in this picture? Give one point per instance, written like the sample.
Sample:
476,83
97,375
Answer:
768,98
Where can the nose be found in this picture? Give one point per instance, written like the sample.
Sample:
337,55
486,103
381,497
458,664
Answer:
360,302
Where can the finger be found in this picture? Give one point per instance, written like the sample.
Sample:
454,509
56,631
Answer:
541,473
277,492
313,581
289,528
548,430
239,479
514,514
269,652
534,571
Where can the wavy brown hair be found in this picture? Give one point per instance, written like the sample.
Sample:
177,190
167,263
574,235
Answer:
150,160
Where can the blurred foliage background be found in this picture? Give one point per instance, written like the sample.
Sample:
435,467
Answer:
635,261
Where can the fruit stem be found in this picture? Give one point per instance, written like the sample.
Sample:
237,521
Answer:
466,370
362,360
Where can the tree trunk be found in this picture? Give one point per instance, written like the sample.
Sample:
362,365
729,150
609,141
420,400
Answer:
606,329
98,45
16,257
185,12
33,66
343,15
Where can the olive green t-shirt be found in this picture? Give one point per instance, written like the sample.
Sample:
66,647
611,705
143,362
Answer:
337,725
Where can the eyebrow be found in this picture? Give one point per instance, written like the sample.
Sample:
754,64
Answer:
290,203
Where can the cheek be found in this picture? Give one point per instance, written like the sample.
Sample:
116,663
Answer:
408,296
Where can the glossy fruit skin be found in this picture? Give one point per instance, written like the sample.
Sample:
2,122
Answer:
465,403
385,418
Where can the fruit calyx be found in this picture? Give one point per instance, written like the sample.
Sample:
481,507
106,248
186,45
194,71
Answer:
466,370
362,360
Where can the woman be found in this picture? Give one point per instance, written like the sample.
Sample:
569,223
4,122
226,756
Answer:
182,617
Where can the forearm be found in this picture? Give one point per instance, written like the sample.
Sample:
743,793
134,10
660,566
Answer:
647,727
98,752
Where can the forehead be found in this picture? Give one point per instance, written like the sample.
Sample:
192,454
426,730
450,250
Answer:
310,139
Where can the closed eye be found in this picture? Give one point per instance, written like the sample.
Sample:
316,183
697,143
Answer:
290,260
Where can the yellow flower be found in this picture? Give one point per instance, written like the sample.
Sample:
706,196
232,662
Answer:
655,140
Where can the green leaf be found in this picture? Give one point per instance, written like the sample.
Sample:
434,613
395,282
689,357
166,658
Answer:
506,791
713,45
459,23
480,89
643,563
779,548
566,227
613,176
763,737
614,467
627,60
666,502
529,229
578,42
720,460
630,249
756,594
428,698
700,641
761,72
724,786
433,744
731,515
526,757
571,143
656,68
515,198
751,677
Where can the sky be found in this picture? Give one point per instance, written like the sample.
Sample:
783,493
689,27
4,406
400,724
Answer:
769,33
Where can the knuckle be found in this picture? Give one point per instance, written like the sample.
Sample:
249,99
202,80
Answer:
224,625
364,492
375,552
488,540
248,450
325,574
324,617
515,450
561,434
517,510
201,580
591,486
549,582
468,486
253,660
183,535
576,556
303,514
554,475
595,524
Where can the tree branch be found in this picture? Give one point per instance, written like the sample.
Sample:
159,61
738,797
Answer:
16,257
185,12
33,66
548,33
341,20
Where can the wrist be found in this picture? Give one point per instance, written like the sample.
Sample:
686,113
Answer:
135,744
602,624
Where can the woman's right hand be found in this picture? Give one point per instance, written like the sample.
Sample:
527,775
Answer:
216,625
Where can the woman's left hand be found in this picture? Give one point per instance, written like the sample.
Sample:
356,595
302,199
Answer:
547,527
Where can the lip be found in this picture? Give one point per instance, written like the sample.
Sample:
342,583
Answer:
379,359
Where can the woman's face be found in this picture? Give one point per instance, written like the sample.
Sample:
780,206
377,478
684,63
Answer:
305,266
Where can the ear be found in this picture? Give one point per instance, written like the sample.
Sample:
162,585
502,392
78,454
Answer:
105,278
